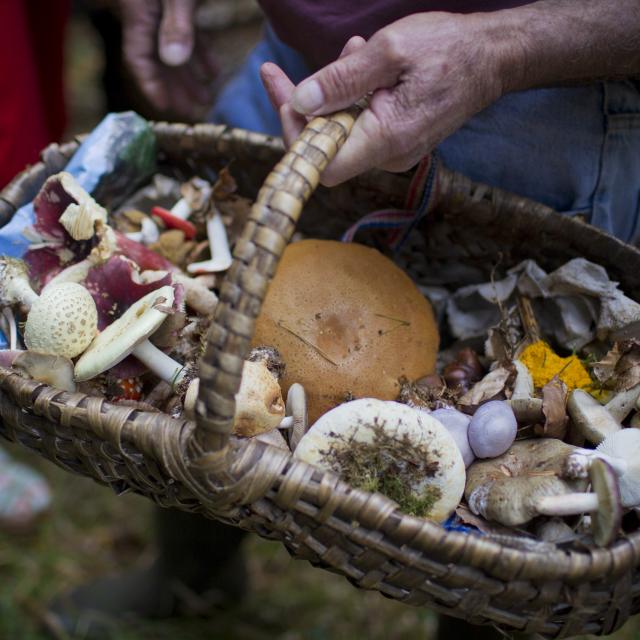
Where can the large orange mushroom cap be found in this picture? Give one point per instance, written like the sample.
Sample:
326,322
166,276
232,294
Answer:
348,322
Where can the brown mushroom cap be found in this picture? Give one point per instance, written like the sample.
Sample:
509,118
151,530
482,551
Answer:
346,321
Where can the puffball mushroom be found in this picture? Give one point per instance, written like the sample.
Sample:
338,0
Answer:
457,424
62,321
506,489
128,335
346,321
492,429
388,447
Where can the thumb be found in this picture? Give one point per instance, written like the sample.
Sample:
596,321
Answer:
176,34
343,82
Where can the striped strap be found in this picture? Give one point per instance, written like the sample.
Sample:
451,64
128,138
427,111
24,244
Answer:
400,222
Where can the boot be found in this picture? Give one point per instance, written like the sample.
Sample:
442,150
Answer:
199,568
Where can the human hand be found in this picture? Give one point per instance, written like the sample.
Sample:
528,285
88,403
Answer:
173,64
426,73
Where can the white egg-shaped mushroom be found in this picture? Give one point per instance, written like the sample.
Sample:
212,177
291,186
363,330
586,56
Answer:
492,429
62,321
379,441
457,424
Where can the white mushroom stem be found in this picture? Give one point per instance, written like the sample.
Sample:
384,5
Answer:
218,246
148,234
14,283
164,366
286,423
621,404
12,329
593,420
568,504
181,209
526,407
77,272
197,296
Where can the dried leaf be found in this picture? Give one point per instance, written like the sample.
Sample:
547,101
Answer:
554,407
603,369
627,371
225,185
491,386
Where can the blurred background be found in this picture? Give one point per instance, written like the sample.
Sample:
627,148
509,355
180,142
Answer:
89,531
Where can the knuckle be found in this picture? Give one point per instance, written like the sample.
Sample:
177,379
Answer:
391,45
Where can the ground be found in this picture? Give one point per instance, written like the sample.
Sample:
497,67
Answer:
90,531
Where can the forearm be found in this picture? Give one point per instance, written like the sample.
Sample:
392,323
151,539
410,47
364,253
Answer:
554,42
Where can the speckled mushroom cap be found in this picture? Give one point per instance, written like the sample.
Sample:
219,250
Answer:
354,421
346,321
62,321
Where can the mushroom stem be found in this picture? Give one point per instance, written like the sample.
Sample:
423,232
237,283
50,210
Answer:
148,234
592,420
165,367
286,423
218,246
12,329
621,404
568,504
526,407
181,209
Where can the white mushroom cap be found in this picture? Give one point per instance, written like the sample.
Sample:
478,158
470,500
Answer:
457,424
356,422
62,321
121,337
492,429
624,445
590,418
56,371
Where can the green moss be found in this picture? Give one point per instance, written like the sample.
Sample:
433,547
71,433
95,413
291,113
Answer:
389,465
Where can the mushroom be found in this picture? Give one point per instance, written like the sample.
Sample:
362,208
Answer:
604,504
197,296
218,246
622,403
457,424
259,404
621,451
56,371
506,489
492,429
296,408
342,331
129,335
148,234
172,221
15,287
590,418
388,447
195,195
526,407
10,327
62,321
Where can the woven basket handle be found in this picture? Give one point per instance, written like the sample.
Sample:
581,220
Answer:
255,258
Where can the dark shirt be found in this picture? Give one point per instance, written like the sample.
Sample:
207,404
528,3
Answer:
319,29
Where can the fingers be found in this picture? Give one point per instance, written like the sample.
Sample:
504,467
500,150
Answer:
378,139
176,34
366,67
292,124
276,82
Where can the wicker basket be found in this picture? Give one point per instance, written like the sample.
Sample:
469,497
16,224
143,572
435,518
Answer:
197,467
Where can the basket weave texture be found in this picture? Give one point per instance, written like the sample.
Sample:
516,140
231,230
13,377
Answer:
198,467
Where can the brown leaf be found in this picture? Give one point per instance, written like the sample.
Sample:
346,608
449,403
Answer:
554,407
627,371
225,185
488,388
603,369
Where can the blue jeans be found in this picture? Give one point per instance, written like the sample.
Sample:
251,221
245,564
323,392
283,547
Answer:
576,149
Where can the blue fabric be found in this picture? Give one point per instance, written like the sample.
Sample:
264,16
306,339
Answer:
576,149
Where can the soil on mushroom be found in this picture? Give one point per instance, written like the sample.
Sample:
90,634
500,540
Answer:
390,465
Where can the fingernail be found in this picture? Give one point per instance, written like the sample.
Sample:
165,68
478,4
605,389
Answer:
174,53
308,97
